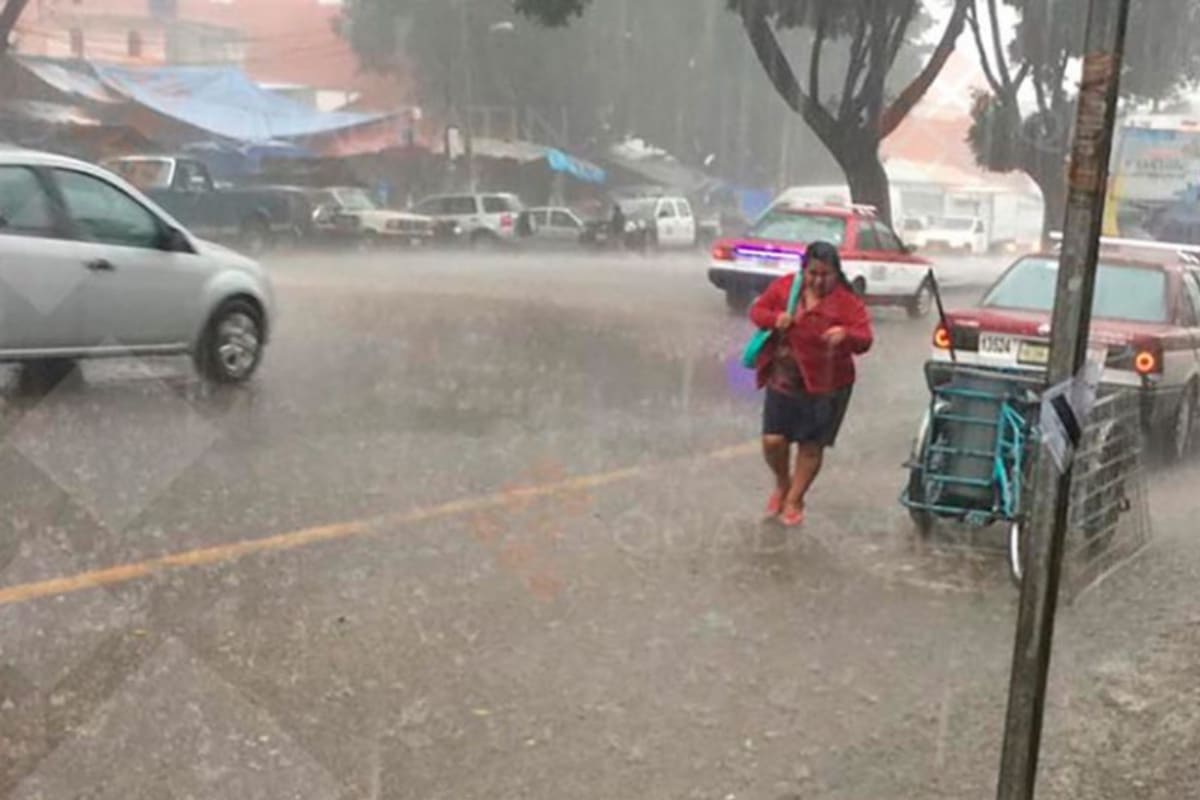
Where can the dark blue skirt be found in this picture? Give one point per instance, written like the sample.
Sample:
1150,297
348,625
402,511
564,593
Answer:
805,418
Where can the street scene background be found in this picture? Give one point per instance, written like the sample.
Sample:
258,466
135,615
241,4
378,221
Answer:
487,521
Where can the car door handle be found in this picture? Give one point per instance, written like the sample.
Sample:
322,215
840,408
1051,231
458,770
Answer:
101,265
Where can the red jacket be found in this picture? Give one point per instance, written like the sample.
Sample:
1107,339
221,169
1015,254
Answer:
825,368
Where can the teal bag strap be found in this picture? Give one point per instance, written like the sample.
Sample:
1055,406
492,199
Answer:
794,297
760,338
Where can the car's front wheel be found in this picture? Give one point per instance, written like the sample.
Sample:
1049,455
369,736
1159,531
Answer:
231,348
921,303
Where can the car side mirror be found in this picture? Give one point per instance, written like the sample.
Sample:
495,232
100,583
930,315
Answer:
175,241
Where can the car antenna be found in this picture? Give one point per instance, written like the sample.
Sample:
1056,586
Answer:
937,298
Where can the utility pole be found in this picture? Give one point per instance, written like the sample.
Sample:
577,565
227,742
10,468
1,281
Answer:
468,62
1087,181
9,14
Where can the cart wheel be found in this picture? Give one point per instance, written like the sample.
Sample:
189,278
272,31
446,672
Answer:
923,520
1017,551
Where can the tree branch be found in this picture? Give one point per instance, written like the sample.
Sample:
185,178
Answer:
896,37
913,93
775,63
984,62
873,86
814,63
1026,71
1039,91
1001,63
858,55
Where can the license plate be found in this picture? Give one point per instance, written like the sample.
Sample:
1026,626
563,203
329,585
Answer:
1034,353
992,345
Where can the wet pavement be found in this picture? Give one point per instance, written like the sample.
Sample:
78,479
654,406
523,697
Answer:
489,527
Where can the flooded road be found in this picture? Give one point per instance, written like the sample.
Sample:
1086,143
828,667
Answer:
489,527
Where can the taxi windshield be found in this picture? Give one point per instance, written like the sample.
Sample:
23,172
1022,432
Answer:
1122,292
790,226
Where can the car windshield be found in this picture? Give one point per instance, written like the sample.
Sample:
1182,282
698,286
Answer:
1122,292
791,226
145,174
354,199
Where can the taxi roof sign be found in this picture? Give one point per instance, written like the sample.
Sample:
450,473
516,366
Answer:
858,209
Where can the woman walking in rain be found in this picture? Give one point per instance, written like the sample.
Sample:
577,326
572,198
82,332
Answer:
807,369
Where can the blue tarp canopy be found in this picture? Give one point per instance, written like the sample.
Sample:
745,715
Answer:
575,167
528,152
223,101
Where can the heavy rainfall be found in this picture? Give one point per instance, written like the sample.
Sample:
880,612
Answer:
597,398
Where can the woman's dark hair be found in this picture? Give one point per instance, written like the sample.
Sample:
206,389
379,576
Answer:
824,251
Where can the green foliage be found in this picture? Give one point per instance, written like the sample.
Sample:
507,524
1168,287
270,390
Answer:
678,72
1162,57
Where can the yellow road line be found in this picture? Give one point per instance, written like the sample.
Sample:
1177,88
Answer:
222,554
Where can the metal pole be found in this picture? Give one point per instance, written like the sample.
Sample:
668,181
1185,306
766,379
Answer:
1087,181
9,14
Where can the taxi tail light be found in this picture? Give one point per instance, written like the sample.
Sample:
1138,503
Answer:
1147,361
1144,358
722,252
942,338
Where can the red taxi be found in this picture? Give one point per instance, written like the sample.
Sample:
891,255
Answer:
1146,317
879,266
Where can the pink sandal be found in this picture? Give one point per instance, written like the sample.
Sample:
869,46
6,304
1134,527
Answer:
792,518
775,504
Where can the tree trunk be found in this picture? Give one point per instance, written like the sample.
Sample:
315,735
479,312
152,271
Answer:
1054,194
1053,183
866,177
